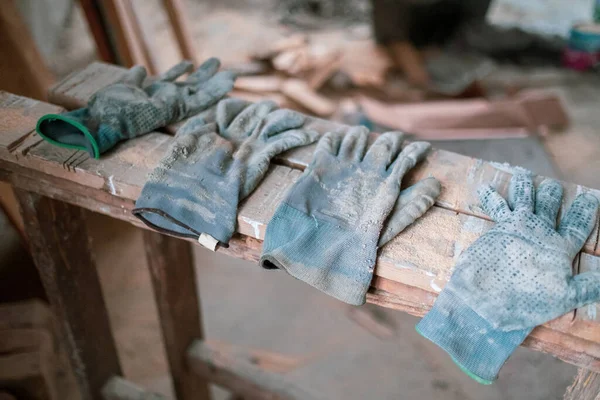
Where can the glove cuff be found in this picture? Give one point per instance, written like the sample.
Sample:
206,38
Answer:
76,130
184,203
327,256
474,345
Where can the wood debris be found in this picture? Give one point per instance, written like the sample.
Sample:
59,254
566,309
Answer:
470,119
299,91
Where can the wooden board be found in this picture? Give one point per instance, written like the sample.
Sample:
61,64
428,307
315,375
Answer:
411,269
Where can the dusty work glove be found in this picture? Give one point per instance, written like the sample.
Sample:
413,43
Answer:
125,109
516,276
346,204
211,167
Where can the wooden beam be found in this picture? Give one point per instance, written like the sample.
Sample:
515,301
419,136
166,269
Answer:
179,23
55,230
411,269
173,276
125,33
22,68
240,376
585,387
99,30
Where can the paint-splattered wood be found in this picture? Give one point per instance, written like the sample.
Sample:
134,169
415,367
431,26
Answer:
460,175
412,268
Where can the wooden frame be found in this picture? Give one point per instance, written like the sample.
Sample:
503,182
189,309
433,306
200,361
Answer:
410,271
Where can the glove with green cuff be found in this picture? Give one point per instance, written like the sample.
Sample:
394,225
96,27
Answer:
125,110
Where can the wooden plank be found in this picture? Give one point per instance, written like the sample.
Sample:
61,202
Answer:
300,92
173,276
75,90
460,175
418,261
19,118
22,69
179,23
585,387
384,292
587,317
98,29
259,84
125,36
240,376
55,229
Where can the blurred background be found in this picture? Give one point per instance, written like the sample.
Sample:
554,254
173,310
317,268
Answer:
502,80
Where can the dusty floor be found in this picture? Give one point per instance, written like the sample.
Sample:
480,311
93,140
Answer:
263,309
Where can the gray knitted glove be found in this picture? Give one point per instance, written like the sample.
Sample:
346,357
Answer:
345,205
125,109
211,167
516,276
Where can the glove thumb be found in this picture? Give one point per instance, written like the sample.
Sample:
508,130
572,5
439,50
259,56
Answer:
585,288
413,202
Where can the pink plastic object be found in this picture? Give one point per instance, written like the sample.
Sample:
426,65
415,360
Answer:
579,60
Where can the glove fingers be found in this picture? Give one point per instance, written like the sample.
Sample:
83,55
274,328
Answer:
228,110
135,76
412,203
282,142
520,191
329,144
290,139
354,143
585,289
281,120
579,221
205,71
385,149
211,92
493,204
548,199
243,119
408,158
195,125
176,71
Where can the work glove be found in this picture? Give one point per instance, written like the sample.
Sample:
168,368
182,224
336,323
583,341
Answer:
211,167
125,110
346,205
516,276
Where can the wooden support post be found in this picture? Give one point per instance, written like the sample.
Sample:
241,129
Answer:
585,387
22,68
181,28
172,271
59,245
97,25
